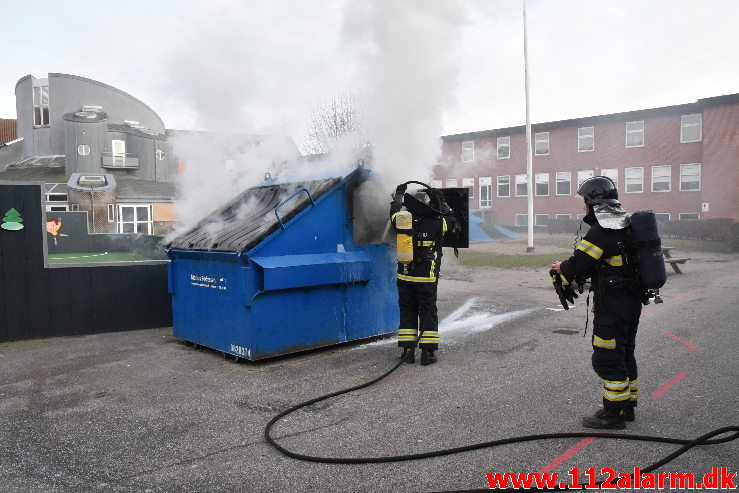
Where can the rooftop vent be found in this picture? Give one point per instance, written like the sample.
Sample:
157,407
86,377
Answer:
86,114
92,180
92,108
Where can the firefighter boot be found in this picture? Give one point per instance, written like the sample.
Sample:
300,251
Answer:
409,355
628,413
428,357
605,419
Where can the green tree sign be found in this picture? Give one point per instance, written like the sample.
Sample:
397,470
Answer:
12,221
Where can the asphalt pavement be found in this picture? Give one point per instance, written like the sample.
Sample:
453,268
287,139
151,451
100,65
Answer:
144,412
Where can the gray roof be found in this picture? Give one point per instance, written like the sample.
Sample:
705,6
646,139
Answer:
46,174
248,219
131,189
140,132
45,161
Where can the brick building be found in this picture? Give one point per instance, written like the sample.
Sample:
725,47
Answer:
680,161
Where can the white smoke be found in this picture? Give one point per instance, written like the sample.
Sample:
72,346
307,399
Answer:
398,56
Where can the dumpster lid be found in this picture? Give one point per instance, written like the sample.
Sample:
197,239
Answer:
249,218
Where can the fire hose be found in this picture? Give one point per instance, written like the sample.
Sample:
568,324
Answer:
687,444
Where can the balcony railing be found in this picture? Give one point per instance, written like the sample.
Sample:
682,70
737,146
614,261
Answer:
126,161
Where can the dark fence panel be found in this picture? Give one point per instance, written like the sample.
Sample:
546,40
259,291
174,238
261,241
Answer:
36,301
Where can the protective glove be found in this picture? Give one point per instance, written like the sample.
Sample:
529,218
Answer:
401,189
563,292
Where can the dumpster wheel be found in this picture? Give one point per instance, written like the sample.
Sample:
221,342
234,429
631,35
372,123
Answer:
705,439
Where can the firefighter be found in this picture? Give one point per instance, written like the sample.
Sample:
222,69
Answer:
600,256
418,279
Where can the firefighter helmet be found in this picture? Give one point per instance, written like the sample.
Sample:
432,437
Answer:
598,190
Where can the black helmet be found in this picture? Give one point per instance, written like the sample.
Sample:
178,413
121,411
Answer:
598,190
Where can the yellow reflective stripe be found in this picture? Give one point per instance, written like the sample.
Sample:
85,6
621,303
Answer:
634,385
426,243
604,343
591,249
443,225
615,384
416,279
615,261
624,396
565,282
392,218
407,331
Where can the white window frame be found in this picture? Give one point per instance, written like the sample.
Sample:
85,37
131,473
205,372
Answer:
451,183
525,222
135,222
611,173
499,184
40,104
637,127
468,151
118,152
111,213
57,207
587,173
469,184
541,137
563,216
684,126
680,216
540,179
582,135
626,179
503,143
524,182
538,216
558,179
682,175
486,199
657,214
669,177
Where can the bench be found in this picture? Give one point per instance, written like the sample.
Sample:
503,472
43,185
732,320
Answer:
673,261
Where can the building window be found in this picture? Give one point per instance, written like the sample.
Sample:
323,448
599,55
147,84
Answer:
56,197
541,181
486,191
134,219
662,216
634,180
691,128
522,219
436,183
522,188
635,134
585,139
564,183
469,184
563,216
111,213
468,151
451,183
611,173
504,186
118,151
690,177
541,219
504,147
661,178
56,208
584,175
41,105
541,143
690,215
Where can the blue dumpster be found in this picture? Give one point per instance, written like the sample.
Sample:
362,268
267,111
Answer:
276,271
